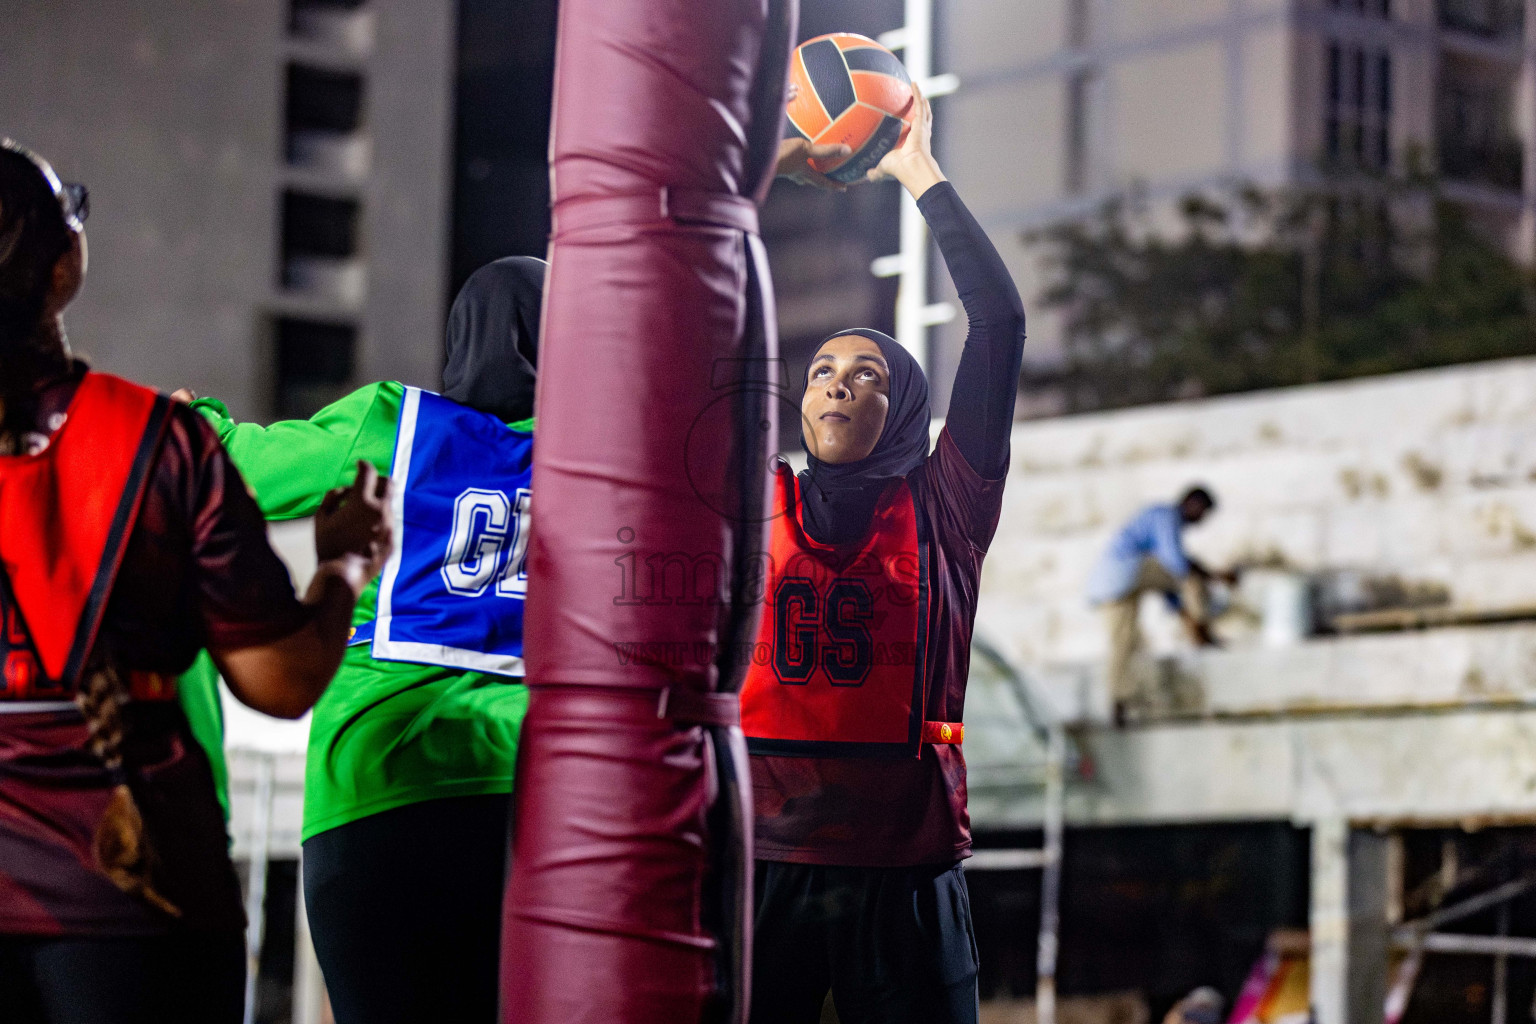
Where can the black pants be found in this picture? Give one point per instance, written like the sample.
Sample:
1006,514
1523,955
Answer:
894,945
405,907
186,978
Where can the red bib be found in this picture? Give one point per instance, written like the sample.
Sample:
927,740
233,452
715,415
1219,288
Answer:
65,517
838,669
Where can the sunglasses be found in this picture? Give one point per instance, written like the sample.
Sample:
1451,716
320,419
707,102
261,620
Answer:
77,200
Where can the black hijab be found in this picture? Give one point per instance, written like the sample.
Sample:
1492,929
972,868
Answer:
839,500
493,338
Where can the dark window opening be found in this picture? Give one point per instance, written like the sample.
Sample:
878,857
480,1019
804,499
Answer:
1078,141
501,169
1335,100
311,5
1357,120
1383,110
319,226
1494,19
1357,81
315,362
1158,909
299,8
326,101
1364,8
1476,138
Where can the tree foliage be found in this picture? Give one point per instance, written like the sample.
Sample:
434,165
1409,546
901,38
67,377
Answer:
1248,289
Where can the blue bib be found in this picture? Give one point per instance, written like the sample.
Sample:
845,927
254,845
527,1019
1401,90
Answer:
452,593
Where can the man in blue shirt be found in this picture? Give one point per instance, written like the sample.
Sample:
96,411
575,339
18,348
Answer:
1147,555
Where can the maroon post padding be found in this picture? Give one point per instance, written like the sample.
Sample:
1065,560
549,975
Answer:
631,871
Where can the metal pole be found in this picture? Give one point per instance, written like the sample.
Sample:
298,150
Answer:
1476,945
1329,973
1050,879
256,887
912,294
1401,992
1405,933
1500,1014
914,314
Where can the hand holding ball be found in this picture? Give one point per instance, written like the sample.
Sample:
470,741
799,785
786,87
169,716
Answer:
847,90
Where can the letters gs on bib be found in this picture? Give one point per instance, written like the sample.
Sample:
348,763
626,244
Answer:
844,634
488,542
838,625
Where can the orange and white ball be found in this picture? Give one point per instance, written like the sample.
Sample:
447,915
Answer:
850,90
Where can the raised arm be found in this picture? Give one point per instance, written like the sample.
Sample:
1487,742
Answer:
291,464
986,383
353,537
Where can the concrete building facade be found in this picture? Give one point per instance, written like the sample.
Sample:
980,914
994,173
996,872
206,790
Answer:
1063,103
270,185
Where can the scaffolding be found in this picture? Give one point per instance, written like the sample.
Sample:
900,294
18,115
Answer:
1423,935
261,836
1040,752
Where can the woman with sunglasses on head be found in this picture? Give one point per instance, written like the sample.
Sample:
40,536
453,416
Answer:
127,544
853,706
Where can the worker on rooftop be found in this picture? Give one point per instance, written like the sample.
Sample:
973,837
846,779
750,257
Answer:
1147,556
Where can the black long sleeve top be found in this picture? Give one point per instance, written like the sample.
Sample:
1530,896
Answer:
987,380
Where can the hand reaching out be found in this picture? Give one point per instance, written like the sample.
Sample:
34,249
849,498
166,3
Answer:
353,523
795,156
912,162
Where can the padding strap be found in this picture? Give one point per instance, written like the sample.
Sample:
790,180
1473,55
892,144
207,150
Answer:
689,707
944,732
682,205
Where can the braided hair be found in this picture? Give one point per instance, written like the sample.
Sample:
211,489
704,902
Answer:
36,231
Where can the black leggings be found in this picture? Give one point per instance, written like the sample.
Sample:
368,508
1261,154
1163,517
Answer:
405,907
185,978
894,945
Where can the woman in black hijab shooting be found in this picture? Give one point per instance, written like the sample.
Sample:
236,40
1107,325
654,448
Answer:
855,719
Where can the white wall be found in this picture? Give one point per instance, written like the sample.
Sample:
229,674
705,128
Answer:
1428,477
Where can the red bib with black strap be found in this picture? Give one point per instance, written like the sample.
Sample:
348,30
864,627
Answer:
838,669
66,514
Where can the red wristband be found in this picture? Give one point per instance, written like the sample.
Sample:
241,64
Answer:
944,732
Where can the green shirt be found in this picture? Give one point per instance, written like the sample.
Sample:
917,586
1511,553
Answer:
198,689
385,734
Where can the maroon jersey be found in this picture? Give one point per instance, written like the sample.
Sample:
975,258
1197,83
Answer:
863,812
156,563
